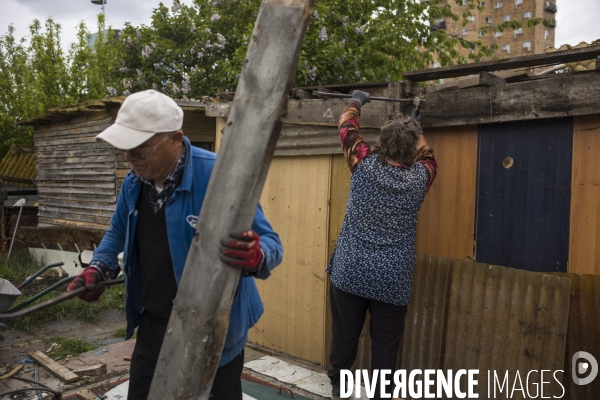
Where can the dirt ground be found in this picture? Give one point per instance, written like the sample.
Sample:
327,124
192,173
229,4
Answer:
110,350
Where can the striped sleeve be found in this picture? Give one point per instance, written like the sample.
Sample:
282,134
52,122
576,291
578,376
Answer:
354,147
426,158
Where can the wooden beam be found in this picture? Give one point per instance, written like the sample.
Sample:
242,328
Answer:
196,332
300,94
509,76
86,395
217,110
556,96
53,367
567,96
91,370
487,79
453,71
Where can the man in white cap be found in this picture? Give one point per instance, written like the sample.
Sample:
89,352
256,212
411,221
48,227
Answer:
154,224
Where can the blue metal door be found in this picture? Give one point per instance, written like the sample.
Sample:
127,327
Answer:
524,194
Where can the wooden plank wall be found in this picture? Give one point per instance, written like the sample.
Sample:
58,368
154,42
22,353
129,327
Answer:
198,127
295,200
340,188
584,247
75,174
447,218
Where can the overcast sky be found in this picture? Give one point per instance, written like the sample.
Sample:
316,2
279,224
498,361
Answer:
577,20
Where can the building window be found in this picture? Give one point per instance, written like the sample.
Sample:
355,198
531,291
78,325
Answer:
527,46
465,2
518,32
436,65
527,15
497,5
482,4
506,18
464,32
488,20
440,24
506,48
497,34
546,34
480,33
472,19
517,2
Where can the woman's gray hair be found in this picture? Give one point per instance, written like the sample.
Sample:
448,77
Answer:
398,141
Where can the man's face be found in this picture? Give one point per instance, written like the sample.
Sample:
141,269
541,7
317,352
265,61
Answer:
156,157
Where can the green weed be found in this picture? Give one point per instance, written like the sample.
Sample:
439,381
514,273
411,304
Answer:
65,347
19,267
22,265
74,309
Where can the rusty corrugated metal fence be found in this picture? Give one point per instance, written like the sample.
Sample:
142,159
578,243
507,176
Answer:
468,315
583,332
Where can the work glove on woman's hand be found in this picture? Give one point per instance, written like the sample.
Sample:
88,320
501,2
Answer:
93,281
416,115
362,97
241,250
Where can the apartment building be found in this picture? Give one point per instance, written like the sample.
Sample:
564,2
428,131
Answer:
511,42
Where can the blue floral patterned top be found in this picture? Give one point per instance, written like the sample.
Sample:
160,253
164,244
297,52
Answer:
374,256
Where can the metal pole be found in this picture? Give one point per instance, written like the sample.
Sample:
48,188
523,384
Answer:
19,203
15,232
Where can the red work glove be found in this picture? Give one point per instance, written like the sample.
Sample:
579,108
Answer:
241,250
93,282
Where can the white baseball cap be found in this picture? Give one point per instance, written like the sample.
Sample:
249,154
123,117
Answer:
143,115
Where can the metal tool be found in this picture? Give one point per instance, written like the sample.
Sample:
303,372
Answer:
417,101
13,316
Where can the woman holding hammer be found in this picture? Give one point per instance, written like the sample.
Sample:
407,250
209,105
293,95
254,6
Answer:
374,258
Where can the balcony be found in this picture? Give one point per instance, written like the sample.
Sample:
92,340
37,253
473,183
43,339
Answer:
552,23
550,7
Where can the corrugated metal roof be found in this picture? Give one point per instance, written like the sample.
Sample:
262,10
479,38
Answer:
67,112
303,140
19,164
588,65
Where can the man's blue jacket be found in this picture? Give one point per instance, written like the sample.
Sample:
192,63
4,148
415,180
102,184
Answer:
182,210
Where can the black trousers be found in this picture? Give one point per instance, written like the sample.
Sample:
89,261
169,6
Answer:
151,332
348,318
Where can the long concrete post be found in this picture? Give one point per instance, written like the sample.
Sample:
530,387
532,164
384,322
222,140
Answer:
196,332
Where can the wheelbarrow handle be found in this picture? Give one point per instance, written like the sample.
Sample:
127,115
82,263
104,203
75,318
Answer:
41,294
49,303
32,277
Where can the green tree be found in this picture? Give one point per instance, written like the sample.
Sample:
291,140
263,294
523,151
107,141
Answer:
191,51
31,76
89,64
35,75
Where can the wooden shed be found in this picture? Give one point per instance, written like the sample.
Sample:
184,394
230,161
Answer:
517,185
78,178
